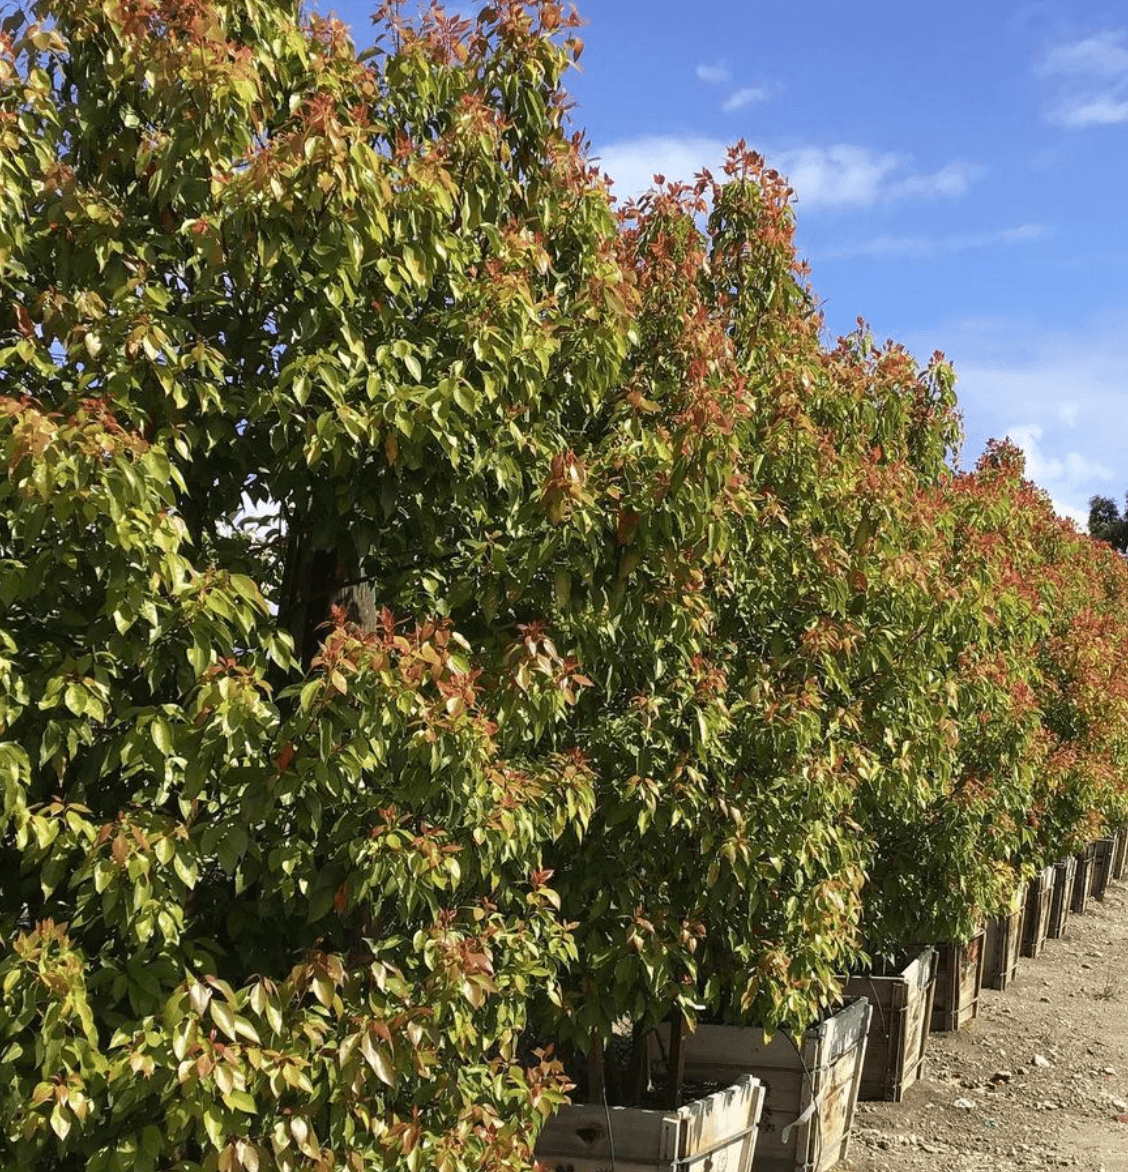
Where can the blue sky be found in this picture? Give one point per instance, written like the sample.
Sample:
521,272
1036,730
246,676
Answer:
961,175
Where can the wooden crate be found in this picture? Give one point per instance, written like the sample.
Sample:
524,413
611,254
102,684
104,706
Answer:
959,977
1002,945
898,1034
713,1133
1121,858
1039,900
1065,873
1104,850
1082,880
811,1085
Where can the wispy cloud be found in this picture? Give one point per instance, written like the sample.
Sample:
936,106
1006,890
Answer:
744,97
949,182
717,73
852,176
1104,55
1091,79
888,247
840,176
1098,112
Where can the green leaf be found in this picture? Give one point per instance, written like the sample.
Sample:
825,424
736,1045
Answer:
241,1101
161,732
224,1017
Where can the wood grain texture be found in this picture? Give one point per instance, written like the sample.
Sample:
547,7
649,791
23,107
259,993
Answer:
716,1133
899,1029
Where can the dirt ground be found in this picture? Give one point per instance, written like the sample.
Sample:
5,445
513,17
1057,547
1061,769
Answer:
1036,1082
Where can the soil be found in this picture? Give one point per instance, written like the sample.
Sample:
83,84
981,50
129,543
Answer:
1036,1082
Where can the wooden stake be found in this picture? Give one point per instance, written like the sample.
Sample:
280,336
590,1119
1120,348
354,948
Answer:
595,1069
677,1058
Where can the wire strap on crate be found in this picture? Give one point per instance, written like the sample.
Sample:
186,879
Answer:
701,1153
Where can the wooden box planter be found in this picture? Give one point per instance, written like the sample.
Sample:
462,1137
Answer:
1065,873
898,1034
1104,849
1039,901
959,977
811,1083
1082,879
1121,856
1003,943
709,1134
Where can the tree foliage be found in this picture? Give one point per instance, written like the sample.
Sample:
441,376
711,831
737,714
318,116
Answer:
1108,523
274,892
441,613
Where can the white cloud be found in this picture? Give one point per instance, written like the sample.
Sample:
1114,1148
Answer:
1052,472
840,176
717,73
1069,468
1092,81
744,97
927,247
1103,55
1080,517
1104,111
633,163
949,182
852,176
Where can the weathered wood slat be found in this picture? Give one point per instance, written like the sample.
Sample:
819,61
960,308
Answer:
811,1084
715,1132
959,977
1003,943
899,1028
1065,873
1039,901
1082,880
1104,850
1120,861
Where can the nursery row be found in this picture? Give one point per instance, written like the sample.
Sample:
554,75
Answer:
452,625
787,1104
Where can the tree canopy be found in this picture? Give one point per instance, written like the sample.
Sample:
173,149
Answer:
1108,523
445,615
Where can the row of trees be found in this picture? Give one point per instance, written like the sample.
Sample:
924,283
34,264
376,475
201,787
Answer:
441,614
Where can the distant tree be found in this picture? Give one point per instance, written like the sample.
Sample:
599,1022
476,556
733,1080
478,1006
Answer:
1108,523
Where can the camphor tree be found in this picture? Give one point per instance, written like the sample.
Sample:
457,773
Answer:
1026,646
949,851
271,856
576,525
582,555
724,874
